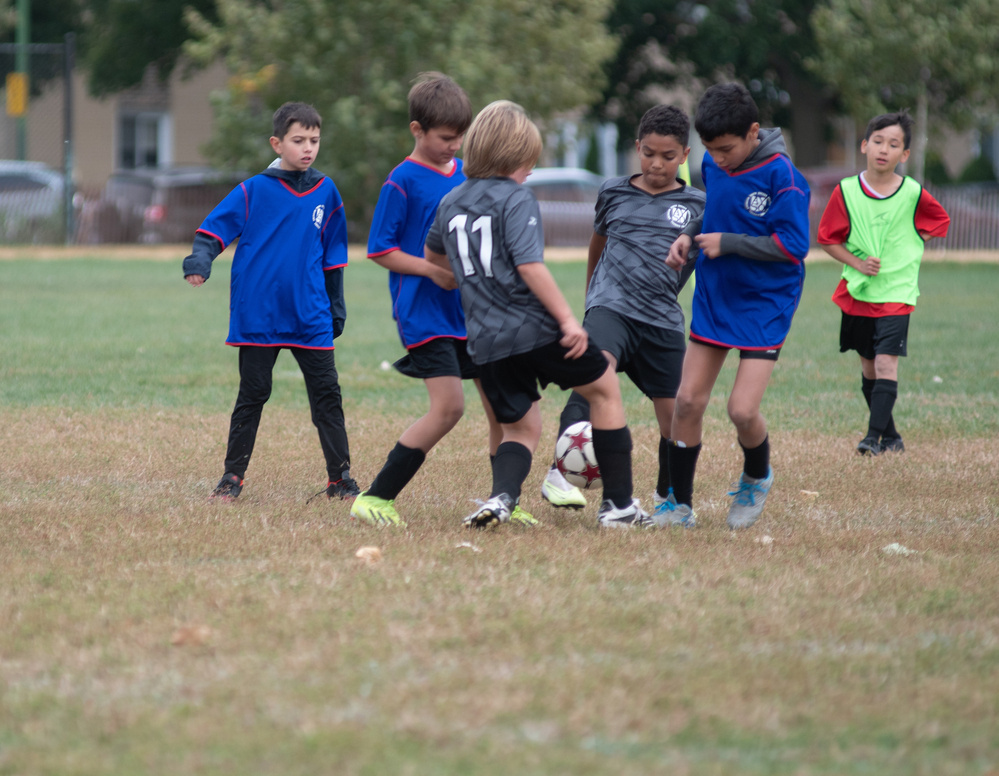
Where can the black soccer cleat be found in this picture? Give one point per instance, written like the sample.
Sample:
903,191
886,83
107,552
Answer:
869,446
344,488
229,487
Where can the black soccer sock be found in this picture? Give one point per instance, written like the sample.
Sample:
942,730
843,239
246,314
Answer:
867,388
612,449
757,459
883,397
400,467
663,483
511,465
575,410
682,464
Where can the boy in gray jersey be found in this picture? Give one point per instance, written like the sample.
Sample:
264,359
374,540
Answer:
632,312
521,331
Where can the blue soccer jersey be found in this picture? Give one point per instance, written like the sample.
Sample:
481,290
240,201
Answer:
406,207
741,300
287,240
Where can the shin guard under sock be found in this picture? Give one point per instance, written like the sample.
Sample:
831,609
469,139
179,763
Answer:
883,397
682,464
867,388
757,459
612,449
511,465
400,467
663,483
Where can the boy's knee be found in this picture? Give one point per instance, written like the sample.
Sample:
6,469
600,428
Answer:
742,415
688,406
448,414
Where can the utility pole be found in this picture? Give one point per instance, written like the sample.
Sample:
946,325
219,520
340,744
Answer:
21,65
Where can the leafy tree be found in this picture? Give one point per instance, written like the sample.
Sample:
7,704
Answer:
117,39
124,37
678,43
355,62
935,56
50,21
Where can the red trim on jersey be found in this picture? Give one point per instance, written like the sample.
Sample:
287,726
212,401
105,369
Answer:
431,339
454,166
212,234
276,345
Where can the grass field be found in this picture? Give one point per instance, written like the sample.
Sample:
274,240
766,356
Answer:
147,630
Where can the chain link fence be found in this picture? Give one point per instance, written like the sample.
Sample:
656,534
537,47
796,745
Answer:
36,182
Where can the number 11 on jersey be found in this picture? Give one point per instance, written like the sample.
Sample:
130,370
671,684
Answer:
483,225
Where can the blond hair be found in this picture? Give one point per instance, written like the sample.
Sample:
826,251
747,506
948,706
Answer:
501,141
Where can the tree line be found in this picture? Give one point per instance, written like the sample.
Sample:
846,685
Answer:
805,61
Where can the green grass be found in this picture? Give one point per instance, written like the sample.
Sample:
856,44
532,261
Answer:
88,334
799,647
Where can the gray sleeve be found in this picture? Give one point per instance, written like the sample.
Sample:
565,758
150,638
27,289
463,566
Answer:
693,227
203,253
523,234
762,248
435,240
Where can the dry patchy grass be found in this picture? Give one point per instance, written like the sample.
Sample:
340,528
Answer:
150,630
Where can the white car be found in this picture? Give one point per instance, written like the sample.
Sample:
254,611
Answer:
30,193
567,197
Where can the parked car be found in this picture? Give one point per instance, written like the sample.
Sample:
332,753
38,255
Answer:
567,197
31,199
158,206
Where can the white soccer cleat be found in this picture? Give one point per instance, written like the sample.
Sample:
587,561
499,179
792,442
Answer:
632,516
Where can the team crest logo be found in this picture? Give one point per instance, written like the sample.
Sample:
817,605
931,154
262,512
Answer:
758,203
678,216
317,216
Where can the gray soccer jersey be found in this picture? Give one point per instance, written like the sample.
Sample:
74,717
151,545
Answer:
632,278
487,227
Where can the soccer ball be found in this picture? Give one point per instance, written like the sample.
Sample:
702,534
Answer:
574,456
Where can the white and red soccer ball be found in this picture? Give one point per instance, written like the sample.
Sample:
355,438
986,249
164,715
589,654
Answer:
574,456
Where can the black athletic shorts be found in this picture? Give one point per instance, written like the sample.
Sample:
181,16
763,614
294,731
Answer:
511,384
651,356
767,354
440,357
870,337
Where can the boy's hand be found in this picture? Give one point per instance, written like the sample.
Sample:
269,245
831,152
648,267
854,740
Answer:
678,252
710,243
195,280
574,338
442,277
870,266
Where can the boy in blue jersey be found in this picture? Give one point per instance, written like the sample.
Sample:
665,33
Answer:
426,304
286,291
750,270
632,312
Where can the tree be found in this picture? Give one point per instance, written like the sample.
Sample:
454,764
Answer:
117,39
762,43
50,21
355,62
936,56
124,37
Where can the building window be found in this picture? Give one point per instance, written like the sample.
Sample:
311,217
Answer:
144,140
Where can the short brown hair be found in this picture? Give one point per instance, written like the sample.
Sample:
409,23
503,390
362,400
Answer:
437,101
291,112
501,141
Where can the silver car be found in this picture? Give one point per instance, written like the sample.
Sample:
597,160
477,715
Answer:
31,200
567,197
